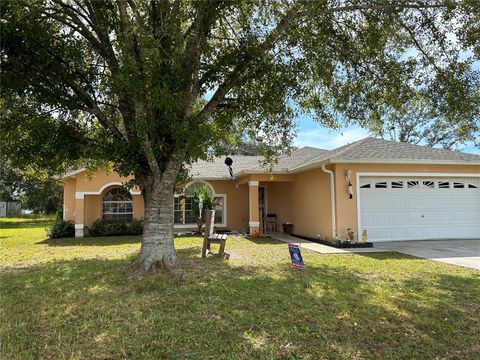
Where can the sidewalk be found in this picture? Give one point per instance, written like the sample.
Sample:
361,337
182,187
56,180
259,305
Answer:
322,249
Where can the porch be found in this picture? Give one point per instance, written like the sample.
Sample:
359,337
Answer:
269,204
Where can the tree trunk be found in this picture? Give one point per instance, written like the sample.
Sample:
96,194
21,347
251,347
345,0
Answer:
157,251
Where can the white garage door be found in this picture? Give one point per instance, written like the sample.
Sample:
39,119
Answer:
419,208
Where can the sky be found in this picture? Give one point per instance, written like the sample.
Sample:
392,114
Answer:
310,133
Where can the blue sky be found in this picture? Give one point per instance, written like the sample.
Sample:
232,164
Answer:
310,133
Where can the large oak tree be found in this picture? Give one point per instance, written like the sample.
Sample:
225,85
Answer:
151,85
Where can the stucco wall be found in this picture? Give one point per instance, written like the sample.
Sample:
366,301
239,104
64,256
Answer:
237,203
346,209
302,199
69,199
310,199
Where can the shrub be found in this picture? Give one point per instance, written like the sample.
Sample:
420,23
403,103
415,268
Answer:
115,228
61,229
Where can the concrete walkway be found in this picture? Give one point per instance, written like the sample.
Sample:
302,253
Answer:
456,252
322,249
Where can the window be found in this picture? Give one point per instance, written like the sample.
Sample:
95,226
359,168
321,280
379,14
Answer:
428,184
471,186
397,184
183,207
413,184
177,210
381,185
366,186
458,185
219,206
443,185
118,205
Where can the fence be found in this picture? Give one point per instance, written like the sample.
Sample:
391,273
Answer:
10,208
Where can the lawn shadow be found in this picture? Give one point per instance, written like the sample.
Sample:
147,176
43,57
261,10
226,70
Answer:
262,240
224,309
92,241
34,223
388,255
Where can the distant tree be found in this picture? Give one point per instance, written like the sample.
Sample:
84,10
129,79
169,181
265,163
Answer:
418,124
35,190
151,85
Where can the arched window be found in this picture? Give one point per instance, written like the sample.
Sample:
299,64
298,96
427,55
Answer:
118,205
183,205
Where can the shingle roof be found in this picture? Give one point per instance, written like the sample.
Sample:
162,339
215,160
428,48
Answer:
218,169
366,150
296,158
376,149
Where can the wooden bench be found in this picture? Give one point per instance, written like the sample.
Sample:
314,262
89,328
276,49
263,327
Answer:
210,237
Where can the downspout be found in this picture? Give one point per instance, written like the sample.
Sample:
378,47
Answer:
332,199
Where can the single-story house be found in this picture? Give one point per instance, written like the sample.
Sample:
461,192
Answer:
393,190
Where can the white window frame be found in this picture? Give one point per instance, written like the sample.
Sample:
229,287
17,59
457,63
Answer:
116,202
194,225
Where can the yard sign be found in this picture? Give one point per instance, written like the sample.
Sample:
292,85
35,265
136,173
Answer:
296,256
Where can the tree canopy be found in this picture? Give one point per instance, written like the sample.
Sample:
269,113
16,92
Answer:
151,85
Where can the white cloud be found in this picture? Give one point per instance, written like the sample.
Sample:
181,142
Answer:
326,139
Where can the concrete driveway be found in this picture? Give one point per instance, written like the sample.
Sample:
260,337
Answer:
457,252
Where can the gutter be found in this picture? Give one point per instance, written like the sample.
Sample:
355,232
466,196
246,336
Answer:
332,198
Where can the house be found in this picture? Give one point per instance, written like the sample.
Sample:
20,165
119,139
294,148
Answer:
394,191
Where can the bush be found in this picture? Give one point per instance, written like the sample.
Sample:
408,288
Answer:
61,229
115,228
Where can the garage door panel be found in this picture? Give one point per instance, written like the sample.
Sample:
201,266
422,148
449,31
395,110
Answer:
443,199
425,211
397,201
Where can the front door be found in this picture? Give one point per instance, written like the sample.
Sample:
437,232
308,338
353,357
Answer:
262,205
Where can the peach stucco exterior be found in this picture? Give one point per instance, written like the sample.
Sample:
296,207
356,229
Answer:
302,198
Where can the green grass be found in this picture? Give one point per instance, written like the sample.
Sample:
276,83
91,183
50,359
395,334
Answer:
77,299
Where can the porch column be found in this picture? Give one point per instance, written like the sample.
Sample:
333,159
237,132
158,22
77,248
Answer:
254,221
79,214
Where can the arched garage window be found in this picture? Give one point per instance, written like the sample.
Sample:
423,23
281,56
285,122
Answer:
118,205
183,206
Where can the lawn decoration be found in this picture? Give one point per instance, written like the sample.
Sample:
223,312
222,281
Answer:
364,236
296,256
350,235
229,162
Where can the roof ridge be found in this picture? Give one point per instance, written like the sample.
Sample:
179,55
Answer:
350,146
406,143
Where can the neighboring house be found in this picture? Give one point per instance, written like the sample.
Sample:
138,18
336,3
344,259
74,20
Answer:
399,191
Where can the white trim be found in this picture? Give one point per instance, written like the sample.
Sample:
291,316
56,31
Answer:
224,223
79,195
198,181
254,223
400,174
253,183
79,226
333,205
73,173
395,161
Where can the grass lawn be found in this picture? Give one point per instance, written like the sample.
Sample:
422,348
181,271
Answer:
76,299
